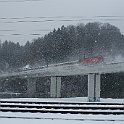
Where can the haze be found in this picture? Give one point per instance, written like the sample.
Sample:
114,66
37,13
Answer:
22,20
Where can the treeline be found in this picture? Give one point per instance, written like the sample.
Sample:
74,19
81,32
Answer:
65,44
112,86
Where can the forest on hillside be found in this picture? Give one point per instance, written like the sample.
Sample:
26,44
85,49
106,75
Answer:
64,44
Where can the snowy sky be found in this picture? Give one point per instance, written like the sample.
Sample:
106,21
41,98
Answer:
22,20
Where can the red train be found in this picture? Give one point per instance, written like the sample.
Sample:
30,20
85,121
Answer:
91,60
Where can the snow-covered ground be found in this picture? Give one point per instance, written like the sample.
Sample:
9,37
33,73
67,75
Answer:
49,118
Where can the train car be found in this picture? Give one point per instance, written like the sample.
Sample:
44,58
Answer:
91,60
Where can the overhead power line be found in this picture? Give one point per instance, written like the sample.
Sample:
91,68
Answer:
15,1
62,17
42,19
9,30
20,34
62,20
40,34
6,30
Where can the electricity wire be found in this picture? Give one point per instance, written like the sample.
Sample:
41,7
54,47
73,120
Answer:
15,1
47,19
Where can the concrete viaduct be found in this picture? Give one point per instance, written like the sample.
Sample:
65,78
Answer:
68,69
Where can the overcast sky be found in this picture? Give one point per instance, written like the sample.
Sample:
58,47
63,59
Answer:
22,20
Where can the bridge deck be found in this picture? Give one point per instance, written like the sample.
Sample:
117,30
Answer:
67,69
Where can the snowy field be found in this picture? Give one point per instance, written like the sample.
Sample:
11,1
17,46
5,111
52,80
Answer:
49,118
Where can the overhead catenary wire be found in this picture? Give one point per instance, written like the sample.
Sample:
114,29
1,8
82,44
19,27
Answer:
41,19
99,16
49,19
65,17
39,32
15,1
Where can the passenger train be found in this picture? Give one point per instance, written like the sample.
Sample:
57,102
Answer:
91,60
84,61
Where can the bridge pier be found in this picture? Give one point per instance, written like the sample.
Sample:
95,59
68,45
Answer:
31,87
55,87
0,85
94,87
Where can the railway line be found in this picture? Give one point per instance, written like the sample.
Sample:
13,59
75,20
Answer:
62,107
